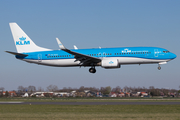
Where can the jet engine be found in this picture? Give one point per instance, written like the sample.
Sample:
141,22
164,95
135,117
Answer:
110,63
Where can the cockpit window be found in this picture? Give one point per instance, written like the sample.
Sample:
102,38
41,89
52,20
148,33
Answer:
165,51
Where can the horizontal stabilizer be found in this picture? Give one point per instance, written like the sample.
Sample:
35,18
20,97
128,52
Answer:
19,54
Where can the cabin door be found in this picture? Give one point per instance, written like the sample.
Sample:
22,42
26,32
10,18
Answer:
156,52
39,57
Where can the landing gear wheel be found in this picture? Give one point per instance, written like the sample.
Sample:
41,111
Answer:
92,70
159,67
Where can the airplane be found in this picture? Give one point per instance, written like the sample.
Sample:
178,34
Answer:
108,58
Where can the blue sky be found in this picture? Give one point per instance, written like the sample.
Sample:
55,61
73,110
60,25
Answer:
90,24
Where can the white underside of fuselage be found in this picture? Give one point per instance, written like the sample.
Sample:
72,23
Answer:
71,62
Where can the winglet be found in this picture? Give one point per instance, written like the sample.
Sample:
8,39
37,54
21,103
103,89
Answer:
75,47
60,44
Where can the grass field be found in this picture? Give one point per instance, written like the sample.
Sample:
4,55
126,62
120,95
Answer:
90,112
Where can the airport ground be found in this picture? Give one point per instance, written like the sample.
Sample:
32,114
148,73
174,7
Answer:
95,99
105,111
90,112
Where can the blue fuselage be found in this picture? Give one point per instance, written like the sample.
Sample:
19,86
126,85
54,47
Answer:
133,55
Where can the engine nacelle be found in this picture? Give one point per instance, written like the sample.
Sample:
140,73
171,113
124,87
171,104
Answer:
110,63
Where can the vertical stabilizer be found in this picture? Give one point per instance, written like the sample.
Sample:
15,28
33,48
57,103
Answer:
22,41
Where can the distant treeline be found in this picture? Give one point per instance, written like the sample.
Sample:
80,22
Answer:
104,90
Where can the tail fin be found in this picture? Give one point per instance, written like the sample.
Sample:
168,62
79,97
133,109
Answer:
22,42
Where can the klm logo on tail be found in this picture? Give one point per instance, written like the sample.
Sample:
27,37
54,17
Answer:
22,41
23,38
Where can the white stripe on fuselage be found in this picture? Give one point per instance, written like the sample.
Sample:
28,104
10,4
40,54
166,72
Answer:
55,62
70,62
134,60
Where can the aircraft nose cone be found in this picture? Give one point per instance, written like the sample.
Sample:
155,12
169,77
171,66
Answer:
173,56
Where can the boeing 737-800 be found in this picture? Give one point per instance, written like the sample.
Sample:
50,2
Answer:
107,58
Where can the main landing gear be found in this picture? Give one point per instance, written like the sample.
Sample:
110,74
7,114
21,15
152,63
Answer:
92,70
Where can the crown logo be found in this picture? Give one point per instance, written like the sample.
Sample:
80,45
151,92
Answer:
23,38
111,62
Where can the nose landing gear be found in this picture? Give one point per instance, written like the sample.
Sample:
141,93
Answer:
159,67
92,70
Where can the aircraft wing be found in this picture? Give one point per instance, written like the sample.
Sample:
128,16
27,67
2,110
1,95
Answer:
84,59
